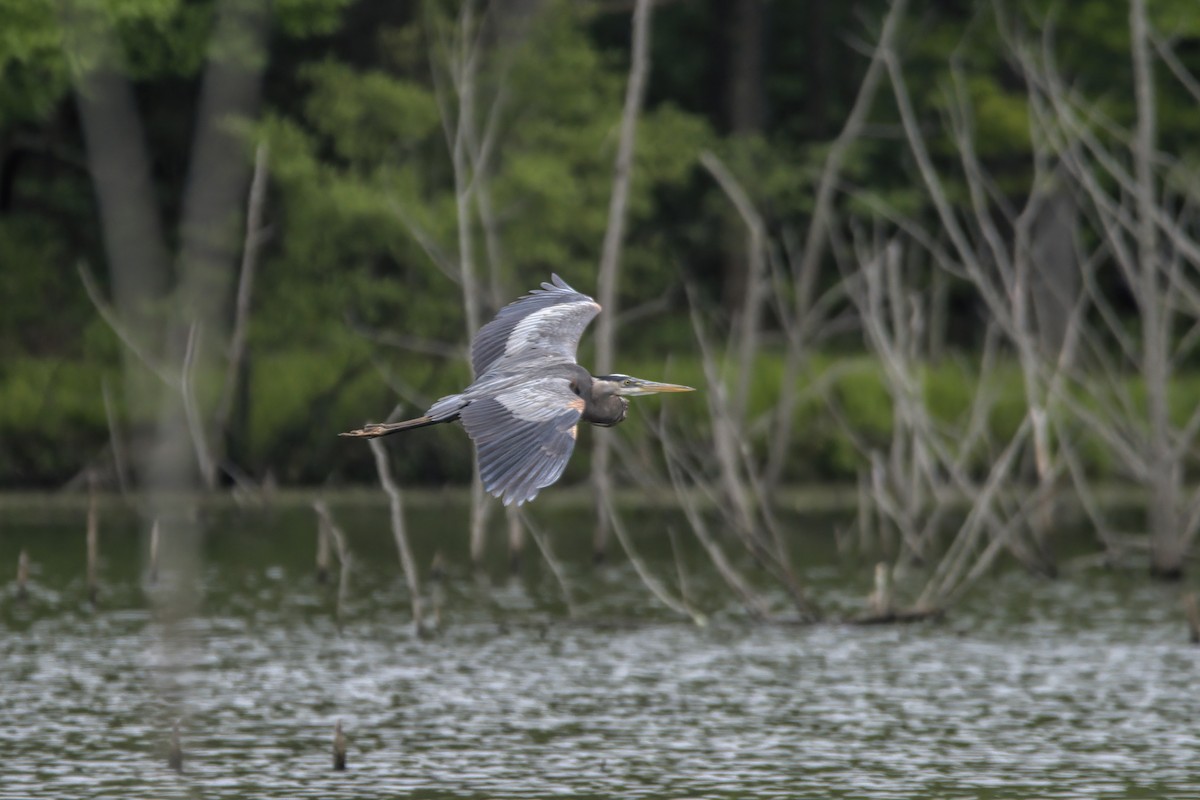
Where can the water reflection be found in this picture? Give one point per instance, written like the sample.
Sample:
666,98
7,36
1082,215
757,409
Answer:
1081,688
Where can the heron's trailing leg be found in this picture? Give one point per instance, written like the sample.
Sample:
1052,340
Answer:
374,430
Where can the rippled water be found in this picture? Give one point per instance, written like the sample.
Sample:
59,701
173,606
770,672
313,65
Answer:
1081,688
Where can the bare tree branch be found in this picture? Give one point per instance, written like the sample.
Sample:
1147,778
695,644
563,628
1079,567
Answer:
250,247
399,531
609,270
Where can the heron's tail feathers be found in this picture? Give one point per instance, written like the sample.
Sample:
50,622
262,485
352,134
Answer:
374,430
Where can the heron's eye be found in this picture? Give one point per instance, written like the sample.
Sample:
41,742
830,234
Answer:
628,382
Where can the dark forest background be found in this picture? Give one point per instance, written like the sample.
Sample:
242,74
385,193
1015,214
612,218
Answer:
395,138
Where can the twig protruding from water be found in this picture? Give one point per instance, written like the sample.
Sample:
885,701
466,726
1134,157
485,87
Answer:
555,566
323,548
437,589
398,530
175,750
1191,609
93,541
152,576
339,747
328,529
676,604
23,576
880,600
516,539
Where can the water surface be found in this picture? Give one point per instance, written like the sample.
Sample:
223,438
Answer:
1078,688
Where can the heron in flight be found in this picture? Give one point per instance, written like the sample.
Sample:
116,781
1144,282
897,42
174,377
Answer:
524,408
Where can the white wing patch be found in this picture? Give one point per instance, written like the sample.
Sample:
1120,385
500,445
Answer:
540,399
544,326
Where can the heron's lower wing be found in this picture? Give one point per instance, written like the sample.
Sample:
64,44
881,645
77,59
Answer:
524,436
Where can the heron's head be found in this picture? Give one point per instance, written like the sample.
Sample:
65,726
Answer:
629,386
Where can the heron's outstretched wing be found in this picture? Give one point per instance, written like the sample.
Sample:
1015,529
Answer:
551,318
524,435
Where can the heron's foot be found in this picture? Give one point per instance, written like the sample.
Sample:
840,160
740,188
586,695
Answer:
370,431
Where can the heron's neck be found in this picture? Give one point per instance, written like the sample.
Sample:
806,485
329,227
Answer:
606,410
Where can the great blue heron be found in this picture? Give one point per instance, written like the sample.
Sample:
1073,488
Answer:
523,409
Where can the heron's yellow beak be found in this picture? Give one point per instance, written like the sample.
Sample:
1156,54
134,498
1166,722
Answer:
641,387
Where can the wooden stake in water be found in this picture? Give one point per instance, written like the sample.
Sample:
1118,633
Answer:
339,747
93,542
175,750
23,576
437,592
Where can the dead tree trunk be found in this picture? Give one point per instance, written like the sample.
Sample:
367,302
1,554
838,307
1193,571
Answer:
139,264
241,317
213,200
1163,511
815,241
610,258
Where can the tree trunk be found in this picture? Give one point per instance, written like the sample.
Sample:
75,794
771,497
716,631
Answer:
819,78
1054,280
213,203
1163,513
745,115
745,98
610,258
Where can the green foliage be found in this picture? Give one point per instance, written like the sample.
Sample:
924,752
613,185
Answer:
364,223
49,418
30,60
368,117
304,18
300,400
43,42
24,325
365,172
860,394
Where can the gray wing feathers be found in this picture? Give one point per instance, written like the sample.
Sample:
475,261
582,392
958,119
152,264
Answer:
551,318
522,452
